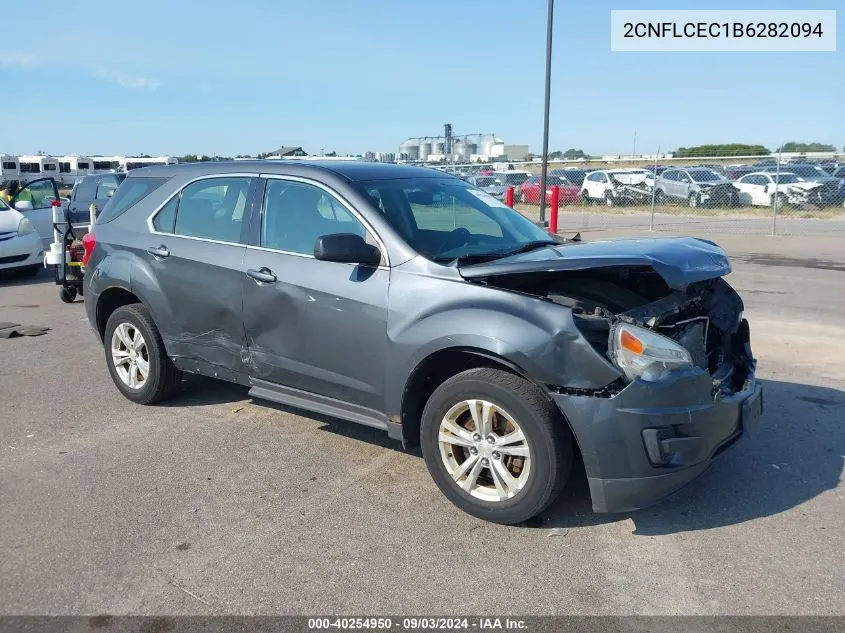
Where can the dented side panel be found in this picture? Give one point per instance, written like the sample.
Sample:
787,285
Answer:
429,314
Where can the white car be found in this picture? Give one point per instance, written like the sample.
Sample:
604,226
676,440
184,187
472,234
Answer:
602,184
35,201
21,247
759,189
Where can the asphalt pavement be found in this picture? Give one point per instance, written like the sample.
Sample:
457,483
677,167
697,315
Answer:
217,504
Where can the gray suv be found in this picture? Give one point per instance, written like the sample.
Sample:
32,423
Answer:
697,186
407,300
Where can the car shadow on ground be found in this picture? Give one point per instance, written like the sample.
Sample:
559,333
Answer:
9,278
795,454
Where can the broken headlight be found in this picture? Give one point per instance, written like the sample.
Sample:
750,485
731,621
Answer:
641,353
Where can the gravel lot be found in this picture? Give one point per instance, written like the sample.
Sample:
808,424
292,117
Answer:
217,504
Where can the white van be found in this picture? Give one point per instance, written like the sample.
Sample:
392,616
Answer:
128,163
9,168
71,168
33,167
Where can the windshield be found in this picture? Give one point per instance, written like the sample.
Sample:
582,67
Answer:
809,171
509,178
704,175
3,205
445,218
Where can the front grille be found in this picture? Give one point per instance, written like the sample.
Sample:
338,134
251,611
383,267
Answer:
13,259
7,236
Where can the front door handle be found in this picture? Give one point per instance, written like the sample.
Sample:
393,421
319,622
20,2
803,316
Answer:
264,275
159,252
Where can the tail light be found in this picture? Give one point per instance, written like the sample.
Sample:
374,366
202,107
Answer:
89,241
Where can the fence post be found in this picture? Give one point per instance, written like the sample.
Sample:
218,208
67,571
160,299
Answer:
654,191
509,197
553,211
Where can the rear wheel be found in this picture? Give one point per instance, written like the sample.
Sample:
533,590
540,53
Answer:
67,294
659,197
495,445
136,357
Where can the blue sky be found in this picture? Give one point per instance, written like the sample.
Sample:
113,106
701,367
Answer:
243,77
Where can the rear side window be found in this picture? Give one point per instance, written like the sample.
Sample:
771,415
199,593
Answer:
213,209
106,187
165,219
128,194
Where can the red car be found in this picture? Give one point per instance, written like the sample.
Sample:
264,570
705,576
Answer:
529,191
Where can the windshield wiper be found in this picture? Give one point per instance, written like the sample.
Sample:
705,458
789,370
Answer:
491,255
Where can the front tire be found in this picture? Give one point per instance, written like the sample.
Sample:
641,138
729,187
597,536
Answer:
608,199
495,445
136,357
694,201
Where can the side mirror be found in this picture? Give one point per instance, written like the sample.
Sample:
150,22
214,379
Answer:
24,205
347,248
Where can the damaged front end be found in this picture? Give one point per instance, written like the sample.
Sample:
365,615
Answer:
673,328
704,320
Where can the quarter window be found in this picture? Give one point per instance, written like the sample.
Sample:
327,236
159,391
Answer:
213,209
165,219
9,165
296,214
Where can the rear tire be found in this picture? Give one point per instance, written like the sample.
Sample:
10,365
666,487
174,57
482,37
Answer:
659,197
162,378
67,294
513,480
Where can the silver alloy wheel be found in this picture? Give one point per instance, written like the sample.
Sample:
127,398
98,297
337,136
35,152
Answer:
130,356
484,450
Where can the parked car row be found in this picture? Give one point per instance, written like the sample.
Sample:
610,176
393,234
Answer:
764,184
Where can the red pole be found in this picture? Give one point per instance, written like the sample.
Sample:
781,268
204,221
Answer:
509,197
553,214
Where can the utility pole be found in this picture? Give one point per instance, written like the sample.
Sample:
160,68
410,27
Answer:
545,168
634,151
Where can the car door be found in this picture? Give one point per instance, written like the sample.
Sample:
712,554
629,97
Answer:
194,253
35,201
311,325
81,198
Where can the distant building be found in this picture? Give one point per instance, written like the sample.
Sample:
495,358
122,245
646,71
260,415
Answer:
516,152
287,152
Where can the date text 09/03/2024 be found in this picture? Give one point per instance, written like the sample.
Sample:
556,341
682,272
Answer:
418,623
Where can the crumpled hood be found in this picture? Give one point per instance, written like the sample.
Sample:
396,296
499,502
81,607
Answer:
680,261
803,186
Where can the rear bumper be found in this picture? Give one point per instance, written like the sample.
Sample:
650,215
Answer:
651,439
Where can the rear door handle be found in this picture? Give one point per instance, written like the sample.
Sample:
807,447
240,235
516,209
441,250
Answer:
158,251
264,275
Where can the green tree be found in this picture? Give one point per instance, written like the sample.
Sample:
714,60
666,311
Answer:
574,153
188,158
331,153
806,147
725,149
556,155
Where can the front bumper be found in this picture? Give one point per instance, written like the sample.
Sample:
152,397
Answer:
651,439
21,251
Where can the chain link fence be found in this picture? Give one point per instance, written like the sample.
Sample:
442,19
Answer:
781,194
